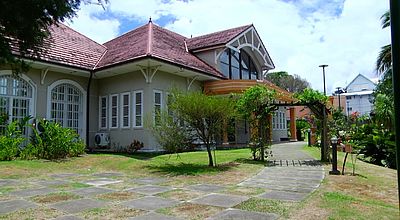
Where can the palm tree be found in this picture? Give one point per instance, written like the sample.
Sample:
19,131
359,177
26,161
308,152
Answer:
384,60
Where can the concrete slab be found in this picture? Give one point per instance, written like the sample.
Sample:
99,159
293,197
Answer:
150,189
283,195
52,182
102,182
76,206
154,216
7,182
108,174
91,191
222,200
14,205
236,214
32,192
64,175
206,187
150,203
68,217
150,180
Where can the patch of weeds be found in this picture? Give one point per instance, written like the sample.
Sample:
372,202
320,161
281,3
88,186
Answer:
191,211
54,197
114,212
118,196
74,185
244,191
266,205
39,213
6,190
180,194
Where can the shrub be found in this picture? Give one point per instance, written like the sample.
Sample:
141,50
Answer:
10,142
172,137
135,146
55,142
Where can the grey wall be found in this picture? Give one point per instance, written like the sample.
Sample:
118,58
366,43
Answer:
130,82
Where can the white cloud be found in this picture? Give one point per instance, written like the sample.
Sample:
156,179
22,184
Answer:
299,35
99,30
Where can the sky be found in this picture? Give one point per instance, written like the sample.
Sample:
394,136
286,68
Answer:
299,35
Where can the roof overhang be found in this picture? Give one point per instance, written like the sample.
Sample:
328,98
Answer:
251,40
154,63
55,67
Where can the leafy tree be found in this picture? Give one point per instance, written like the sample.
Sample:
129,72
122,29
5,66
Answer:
205,114
384,112
291,83
169,133
384,60
25,23
255,104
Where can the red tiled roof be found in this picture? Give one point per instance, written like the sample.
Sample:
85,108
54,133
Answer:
68,47
216,38
153,41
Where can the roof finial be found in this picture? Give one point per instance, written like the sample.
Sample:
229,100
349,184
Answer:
150,20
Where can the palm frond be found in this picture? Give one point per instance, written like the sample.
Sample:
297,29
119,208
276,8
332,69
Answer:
384,60
385,19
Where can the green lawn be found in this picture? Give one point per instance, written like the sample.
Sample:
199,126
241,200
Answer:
191,165
370,194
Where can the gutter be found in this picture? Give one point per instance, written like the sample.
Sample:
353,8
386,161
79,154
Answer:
88,108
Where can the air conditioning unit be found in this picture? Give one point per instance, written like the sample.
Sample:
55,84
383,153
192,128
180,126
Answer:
102,139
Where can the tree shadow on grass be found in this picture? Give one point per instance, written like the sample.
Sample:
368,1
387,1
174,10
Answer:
189,169
137,155
251,161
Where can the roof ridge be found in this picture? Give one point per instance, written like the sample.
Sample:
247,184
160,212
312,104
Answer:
248,25
150,38
126,33
81,34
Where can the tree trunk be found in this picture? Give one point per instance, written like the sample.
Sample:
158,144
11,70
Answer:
210,159
261,135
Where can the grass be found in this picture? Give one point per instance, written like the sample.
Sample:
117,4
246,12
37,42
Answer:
191,211
114,212
266,205
370,194
191,166
55,197
118,196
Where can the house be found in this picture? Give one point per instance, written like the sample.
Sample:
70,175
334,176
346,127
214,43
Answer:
116,87
359,95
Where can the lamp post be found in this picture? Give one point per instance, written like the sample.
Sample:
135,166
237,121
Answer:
339,91
324,147
334,170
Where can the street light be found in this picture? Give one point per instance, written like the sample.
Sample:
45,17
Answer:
324,147
334,170
339,90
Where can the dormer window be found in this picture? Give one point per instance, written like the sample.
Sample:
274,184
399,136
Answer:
236,65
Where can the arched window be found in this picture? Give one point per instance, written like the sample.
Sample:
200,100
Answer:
236,65
16,97
66,105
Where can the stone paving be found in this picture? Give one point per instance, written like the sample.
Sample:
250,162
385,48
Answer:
290,175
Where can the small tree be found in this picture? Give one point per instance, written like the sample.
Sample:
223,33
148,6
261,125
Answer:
255,104
205,114
171,135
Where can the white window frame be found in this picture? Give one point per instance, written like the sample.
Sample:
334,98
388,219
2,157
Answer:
32,100
134,109
110,111
122,109
100,109
82,90
154,103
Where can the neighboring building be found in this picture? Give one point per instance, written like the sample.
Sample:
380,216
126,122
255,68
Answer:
359,95
116,87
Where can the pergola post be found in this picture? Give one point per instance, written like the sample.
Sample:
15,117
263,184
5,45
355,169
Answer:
293,135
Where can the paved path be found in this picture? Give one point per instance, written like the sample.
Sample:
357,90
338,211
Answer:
290,175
